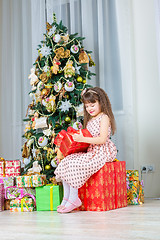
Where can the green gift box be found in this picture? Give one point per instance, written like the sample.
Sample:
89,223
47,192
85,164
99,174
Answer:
48,197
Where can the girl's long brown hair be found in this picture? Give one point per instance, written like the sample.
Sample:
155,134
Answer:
98,94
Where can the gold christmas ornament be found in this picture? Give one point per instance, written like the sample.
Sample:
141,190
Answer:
28,135
83,57
65,38
45,92
44,77
67,119
61,53
48,26
47,167
79,79
50,154
84,81
69,70
25,152
57,125
91,62
55,67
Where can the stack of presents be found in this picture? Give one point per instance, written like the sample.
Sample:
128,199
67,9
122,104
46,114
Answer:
110,188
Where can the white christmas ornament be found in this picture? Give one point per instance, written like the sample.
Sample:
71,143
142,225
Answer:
77,68
65,105
42,141
69,86
57,86
74,49
34,79
45,51
51,31
48,132
56,38
53,164
79,110
41,122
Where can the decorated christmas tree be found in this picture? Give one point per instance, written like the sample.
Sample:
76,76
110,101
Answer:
58,76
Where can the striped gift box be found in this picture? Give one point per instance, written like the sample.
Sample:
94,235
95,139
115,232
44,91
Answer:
1,197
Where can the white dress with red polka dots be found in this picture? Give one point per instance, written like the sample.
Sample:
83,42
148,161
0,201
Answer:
77,168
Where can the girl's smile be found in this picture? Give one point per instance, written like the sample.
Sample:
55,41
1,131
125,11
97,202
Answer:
93,108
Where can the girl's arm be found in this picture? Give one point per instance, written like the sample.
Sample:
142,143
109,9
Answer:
104,125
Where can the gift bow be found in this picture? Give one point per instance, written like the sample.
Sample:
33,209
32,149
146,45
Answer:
21,192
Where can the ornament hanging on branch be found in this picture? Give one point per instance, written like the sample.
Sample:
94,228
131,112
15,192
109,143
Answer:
42,141
69,70
65,105
69,86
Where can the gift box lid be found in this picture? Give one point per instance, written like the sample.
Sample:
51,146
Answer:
69,146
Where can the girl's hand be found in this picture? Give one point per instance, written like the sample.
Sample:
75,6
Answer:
78,137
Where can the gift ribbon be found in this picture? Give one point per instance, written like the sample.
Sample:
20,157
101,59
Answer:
23,201
20,191
51,198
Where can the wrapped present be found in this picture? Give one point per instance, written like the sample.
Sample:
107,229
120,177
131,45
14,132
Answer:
98,193
25,204
120,184
7,181
48,197
59,138
30,181
9,168
106,189
1,197
141,192
135,192
16,192
69,146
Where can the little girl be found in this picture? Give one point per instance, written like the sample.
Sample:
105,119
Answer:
75,169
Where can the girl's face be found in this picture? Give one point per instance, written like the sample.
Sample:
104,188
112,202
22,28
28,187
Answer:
93,108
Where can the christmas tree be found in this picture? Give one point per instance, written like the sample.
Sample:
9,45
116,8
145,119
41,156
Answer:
58,76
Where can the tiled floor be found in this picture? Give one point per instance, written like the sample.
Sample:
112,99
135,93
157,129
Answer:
133,222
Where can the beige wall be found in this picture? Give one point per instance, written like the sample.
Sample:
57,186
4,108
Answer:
146,93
